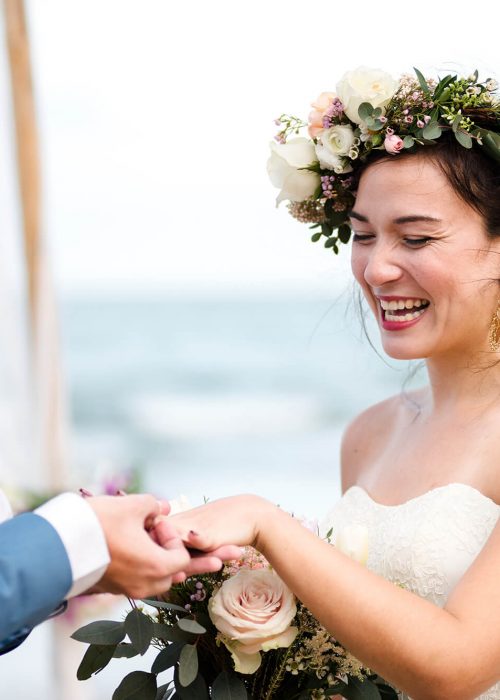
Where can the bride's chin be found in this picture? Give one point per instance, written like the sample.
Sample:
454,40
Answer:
403,350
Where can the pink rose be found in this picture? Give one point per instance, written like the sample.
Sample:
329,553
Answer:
320,106
253,611
393,144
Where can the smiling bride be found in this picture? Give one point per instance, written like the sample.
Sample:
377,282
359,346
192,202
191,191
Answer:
410,170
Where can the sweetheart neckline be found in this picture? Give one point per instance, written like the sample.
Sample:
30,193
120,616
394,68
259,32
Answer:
420,496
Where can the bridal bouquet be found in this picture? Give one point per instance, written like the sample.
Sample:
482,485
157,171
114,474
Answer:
238,634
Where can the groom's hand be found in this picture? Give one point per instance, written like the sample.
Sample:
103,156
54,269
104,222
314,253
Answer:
141,565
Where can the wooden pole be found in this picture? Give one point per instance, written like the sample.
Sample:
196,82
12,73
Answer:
47,381
26,142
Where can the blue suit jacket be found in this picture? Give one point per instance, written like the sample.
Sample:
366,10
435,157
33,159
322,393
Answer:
35,575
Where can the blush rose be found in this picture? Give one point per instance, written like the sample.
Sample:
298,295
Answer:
253,611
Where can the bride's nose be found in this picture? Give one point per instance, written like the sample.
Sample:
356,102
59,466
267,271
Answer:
381,265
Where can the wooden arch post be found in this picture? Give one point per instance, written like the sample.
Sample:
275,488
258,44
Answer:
49,413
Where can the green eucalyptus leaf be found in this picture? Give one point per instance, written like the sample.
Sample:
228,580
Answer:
163,605
422,82
315,237
377,112
456,123
227,686
463,139
125,651
188,664
344,233
365,110
197,690
330,242
95,659
187,624
370,122
101,632
492,145
432,131
167,657
139,628
408,141
137,685
327,228
169,633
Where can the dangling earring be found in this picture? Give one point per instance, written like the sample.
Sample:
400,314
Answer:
494,334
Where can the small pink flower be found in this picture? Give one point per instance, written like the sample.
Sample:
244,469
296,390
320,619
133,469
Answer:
420,124
389,131
409,119
393,144
427,119
382,119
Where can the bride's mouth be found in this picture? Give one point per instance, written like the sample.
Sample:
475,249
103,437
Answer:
398,313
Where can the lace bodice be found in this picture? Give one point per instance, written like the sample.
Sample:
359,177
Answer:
425,544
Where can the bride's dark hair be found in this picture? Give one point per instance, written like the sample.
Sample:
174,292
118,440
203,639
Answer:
474,176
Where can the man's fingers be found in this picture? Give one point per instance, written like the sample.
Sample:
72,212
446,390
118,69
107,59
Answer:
167,536
204,564
227,552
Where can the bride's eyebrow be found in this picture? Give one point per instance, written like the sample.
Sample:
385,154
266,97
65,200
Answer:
415,218
410,219
359,217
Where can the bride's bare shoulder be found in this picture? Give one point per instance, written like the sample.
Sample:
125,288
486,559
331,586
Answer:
367,435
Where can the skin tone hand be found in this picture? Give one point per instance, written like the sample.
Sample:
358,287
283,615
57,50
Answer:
146,553
227,520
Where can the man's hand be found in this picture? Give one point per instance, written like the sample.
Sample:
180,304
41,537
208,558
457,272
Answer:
147,553
140,566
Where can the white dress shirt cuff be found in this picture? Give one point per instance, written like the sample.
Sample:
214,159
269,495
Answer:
81,533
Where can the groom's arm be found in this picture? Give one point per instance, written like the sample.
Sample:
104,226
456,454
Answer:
46,556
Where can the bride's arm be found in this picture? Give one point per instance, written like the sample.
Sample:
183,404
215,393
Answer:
424,650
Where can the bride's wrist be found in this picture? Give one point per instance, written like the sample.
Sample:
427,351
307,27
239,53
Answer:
268,518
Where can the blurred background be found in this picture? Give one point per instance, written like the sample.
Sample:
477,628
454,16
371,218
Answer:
162,324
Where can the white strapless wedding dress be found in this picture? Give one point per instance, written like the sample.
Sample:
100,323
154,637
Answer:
427,543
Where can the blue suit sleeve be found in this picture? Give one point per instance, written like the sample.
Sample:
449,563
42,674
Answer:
35,574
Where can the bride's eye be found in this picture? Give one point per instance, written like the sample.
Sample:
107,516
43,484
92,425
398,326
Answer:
417,242
362,237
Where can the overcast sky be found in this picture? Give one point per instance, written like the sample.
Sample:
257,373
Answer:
156,118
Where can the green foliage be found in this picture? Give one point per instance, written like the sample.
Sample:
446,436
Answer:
227,686
95,659
167,657
188,664
463,139
137,685
187,624
422,82
101,632
139,628
432,131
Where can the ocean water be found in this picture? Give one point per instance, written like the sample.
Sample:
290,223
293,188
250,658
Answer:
209,397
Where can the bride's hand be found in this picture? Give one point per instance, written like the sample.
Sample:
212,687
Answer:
235,520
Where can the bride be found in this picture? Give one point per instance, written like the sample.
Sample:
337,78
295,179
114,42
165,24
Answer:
420,471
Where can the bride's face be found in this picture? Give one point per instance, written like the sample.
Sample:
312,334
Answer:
423,260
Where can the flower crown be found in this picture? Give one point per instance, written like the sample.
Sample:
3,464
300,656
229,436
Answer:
372,111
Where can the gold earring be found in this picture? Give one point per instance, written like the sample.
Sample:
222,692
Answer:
494,334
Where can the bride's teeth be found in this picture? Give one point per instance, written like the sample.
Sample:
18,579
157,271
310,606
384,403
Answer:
401,304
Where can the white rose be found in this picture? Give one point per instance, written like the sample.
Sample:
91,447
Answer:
353,541
365,85
253,610
283,169
332,147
